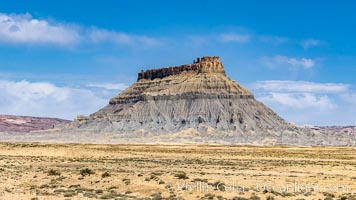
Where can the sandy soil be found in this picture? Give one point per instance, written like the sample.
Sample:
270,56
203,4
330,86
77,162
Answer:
79,171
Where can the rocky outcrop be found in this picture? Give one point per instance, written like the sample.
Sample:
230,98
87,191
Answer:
209,64
173,99
9,123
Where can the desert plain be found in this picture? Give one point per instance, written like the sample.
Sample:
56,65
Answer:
135,171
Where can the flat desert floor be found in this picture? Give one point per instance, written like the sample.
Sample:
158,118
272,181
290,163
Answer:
88,171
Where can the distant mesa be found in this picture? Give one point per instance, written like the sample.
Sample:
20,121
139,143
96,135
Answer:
10,123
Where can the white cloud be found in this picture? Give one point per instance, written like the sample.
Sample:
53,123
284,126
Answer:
109,86
304,62
308,102
101,35
311,43
25,29
350,98
47,99
233,37
279,60
300,100
300,86
298,94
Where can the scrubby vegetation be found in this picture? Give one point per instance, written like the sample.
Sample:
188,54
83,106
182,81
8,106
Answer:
152,172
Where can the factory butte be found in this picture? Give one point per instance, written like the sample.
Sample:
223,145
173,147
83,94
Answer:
199,96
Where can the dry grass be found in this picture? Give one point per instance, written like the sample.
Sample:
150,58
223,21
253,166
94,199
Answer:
78,171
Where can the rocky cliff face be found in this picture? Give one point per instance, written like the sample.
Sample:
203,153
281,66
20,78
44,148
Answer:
197,95
10,123
201,65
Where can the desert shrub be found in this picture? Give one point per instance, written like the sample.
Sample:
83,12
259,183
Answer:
108,196
126,181
113,188
69,194
200,180
209,196
157,173
156,196
255,197
59,191
99,191
43,186
86,171
153,177
89,195
53,172
218,185
239,198
105,174
220,197
181,175
287,194
270,198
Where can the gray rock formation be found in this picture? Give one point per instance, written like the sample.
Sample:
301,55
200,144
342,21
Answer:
172,99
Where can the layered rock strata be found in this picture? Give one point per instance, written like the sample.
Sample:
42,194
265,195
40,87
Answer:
197,95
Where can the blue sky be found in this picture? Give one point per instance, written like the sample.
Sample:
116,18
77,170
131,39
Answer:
68,58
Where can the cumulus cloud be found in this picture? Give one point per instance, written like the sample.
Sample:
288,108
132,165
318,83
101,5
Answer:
47,99
311,43
305,63
298,94
308,102
233,37
299,100
24,28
